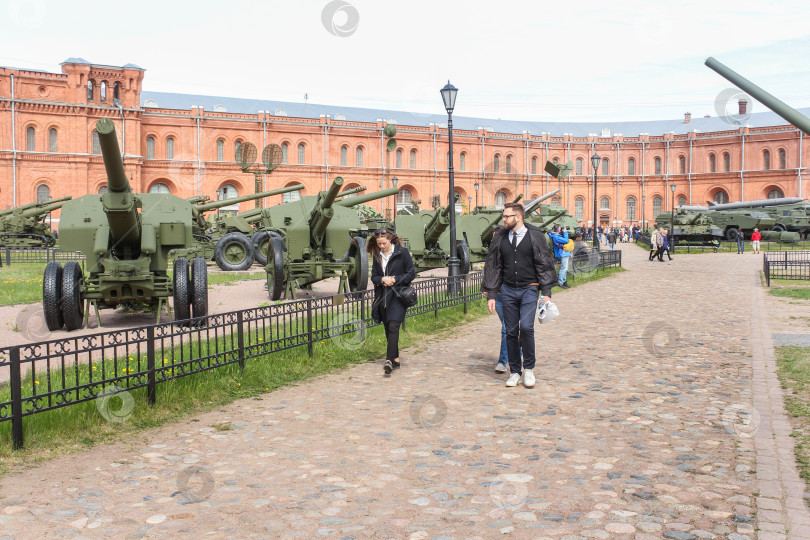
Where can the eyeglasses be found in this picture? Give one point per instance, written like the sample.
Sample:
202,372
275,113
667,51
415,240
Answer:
380,232
509,216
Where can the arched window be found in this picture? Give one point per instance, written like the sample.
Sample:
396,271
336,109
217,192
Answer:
496,163
358,157
534,165
578,166
301,150
631,168
605,166
398,159
631,208
103,189
413,159
43,193
726,162
766,160
159,188
657,200
284,148
170,148
344,155
555,201
291,196
103,90
90,90
31,139
657,165
681,200
52,142
712,163
237,149
782,158
500,198
117,91
97,144
721,197
775,194
150,147
228,191
682,164
220,149
579,208
404,198
508,164
604,203
462,162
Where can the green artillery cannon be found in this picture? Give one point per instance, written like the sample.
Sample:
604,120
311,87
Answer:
690,226
22,227
351,191
316,238
226,238
126,239
422,233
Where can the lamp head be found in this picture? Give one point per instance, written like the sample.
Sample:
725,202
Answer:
449,97
672,187
475,186
595,159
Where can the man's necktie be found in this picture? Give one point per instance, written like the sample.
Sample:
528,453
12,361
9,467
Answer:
514,240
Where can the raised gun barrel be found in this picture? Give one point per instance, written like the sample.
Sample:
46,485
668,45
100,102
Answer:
35,204
437,225
551,220
322,213
42,210
776,105
213,205
118,202
361,199
695,219
351,191
198,199
757,204
531,206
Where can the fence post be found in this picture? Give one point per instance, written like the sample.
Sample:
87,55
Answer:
240,339
151,391
16,399
435,298
309,326
8,257
464,293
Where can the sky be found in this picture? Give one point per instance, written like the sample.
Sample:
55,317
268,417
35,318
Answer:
536,61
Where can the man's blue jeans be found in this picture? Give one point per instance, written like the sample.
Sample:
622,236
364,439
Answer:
740,247
612,246
519,311
563,269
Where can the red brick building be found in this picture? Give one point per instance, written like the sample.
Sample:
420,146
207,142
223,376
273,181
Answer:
185,144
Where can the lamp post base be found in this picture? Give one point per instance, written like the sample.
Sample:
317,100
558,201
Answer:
454,283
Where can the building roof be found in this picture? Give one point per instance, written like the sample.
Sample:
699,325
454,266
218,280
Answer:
168,100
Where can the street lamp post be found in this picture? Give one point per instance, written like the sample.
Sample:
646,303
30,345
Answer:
475,186
643,205
595,160
672,222
449,98
394,182
469,204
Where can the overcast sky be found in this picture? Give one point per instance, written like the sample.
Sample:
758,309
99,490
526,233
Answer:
510,59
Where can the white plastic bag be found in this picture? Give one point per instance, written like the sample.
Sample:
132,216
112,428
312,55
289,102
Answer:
547,312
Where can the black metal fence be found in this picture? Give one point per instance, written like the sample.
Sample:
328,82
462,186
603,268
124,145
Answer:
9,256
792,265
48,375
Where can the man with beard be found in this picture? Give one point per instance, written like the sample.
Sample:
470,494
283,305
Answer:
519,266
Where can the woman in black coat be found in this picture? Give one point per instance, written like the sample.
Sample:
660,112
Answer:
392,269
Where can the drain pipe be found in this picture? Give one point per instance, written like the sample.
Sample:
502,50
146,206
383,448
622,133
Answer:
263,202
801,140
690,167
618,163
526,134
483,170
435,171
123,128
666,176
199,160
742,166
13,148
326,148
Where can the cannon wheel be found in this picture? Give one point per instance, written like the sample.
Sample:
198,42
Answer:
463,254
275,268
234,252
261,242
182,310
358,274
731,234
52,296
199,289
778,228
72,304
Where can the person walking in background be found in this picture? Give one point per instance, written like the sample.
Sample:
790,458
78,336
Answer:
559,238
740,241
654,244
755,238
518,266
611,238
392,268
664,245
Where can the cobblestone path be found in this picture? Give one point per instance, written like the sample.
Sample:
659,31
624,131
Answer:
641,426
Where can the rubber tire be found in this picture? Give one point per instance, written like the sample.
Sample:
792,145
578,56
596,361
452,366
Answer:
463,254
52,296
72,302
258,240
731,234
275,268
182,309
234,241
199,290
358,275
777,228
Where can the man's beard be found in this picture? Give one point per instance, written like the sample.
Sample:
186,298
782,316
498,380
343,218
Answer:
513,226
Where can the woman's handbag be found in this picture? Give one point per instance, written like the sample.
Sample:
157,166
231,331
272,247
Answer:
407,295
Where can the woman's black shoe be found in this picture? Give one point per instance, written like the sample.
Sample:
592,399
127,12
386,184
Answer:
396,365
388,367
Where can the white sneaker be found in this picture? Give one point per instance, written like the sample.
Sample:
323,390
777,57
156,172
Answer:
500,368
513,379
528,378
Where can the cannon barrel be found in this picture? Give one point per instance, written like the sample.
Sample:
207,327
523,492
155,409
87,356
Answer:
198,199
437,225
322,213
213,205
531,206
776,105
693,220
35,204
757,204
351,191
486,236
118,202
517,199
552,219
42,210
361,199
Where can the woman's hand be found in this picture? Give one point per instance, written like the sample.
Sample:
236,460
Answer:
388,281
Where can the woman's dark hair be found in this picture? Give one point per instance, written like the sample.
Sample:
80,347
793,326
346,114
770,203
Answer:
372,247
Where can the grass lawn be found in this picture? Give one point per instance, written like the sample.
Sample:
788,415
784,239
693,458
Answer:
793,365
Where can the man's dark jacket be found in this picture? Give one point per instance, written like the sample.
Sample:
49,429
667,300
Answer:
543,262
